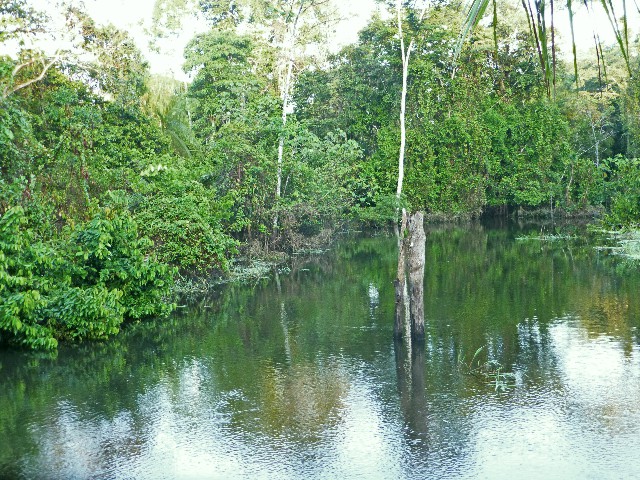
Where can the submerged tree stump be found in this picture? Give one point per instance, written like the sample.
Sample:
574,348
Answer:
401,280
415,261
411,260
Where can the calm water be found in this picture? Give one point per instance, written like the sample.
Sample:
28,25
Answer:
298,376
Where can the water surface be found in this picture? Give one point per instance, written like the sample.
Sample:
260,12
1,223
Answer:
298,377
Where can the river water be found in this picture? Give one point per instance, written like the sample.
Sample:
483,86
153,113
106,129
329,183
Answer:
297,376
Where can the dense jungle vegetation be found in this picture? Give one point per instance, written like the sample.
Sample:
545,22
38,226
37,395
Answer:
114,182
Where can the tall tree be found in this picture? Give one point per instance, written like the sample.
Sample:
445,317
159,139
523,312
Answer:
116,67
410,245
405,51
295,31
295,28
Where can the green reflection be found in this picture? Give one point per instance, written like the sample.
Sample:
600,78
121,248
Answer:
283,364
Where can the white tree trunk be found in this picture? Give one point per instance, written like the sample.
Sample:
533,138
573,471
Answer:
406,55
403,108
411,250
285,91
284,94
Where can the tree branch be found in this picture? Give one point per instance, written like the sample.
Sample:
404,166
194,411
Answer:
45,68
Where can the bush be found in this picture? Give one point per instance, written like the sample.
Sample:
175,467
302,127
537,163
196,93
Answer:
84,286
184,219
624,186
24,288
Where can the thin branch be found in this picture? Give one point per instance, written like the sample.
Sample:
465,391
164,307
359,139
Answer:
20,66
45,67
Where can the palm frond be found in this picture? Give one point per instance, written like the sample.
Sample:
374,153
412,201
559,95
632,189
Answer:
621,37
475,9
474,12
536,29
573,43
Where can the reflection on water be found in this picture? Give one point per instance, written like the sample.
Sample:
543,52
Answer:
299,377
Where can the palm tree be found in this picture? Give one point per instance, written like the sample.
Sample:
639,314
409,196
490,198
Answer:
541,15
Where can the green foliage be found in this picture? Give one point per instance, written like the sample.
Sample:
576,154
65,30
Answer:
383,212
23,288
110,253
19,20
81,287
183,218
17,143
531,153
624,191
319,189
360,94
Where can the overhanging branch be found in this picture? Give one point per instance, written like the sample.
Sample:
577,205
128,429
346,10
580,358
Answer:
46,65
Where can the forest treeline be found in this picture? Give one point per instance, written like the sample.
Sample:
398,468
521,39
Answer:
115,182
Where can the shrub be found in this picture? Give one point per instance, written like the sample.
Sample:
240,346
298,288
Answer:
82,286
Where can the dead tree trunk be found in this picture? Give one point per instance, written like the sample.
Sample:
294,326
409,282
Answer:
415,260
411,260
401,280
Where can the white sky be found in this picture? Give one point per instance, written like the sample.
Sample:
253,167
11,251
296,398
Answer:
134,15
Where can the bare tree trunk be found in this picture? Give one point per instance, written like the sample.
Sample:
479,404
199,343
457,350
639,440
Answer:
411,263
409,302
406,55
285,91
401,281
416,260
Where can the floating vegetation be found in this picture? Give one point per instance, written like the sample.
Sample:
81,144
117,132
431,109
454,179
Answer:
547,237
240,272
310,251
491,370
256,270
628,244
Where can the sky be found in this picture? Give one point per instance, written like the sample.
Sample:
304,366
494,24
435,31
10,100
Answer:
134,15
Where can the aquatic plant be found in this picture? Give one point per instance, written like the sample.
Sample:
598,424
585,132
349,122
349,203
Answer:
491,371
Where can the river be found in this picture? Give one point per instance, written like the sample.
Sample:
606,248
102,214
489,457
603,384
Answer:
297,375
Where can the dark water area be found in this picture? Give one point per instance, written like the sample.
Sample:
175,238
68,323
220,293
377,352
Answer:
297,376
